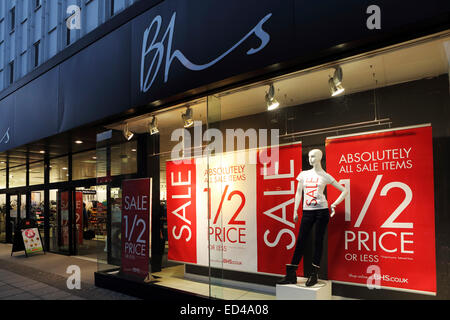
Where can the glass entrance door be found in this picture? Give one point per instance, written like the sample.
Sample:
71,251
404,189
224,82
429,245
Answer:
91,221
14,208
2,217
17,211
60,220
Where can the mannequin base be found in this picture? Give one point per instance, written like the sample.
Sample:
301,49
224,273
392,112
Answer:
320,291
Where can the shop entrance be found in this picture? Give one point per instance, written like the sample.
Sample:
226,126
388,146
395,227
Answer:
17,211
78,221
2,217
91,206
60,219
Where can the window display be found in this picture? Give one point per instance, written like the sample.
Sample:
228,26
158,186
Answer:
247,193
233,191
315,212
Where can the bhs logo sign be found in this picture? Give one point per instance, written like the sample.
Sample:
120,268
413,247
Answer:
5,138
160,52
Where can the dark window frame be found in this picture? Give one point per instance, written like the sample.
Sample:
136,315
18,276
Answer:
36,52
12,19
11,72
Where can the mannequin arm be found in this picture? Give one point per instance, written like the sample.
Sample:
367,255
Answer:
298,199
341,197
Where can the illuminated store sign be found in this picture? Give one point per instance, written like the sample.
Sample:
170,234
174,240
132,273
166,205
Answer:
5,138
149,73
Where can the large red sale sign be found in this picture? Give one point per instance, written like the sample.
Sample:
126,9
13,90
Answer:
136,223
383,233
229,212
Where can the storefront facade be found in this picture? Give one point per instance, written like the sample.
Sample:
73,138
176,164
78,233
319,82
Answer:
217,108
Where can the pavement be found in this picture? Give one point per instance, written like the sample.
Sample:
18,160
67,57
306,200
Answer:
44,277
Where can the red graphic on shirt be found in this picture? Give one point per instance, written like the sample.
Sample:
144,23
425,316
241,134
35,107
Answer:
311,191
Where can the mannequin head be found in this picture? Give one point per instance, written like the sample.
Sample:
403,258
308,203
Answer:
314,157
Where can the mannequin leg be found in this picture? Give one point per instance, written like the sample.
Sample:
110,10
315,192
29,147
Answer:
291,275
322,218
306,225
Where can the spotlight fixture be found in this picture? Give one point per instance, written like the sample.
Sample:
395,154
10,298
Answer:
78,141
153,126
188,117
127,133
335,82
271,102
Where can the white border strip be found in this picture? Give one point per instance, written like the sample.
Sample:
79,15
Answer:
428,293
379,131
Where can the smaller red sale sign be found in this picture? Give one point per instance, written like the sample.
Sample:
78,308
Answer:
79,215
136,217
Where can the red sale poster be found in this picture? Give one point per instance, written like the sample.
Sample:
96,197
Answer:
79,215
64,218
136,224
277,233
234,210
181,211
383,232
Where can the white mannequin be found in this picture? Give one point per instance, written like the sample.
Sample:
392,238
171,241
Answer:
314,157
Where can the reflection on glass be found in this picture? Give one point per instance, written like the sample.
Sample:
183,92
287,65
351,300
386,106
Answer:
91,215
2,217
3,179
59,169
23,206
116,225
36,173
59,221
53,219
84,165
37,208
13,207
102,163
17,177
123,158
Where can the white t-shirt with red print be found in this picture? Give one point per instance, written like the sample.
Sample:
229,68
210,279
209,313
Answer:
313,186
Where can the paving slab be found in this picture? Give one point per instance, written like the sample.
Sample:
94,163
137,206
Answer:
44,277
